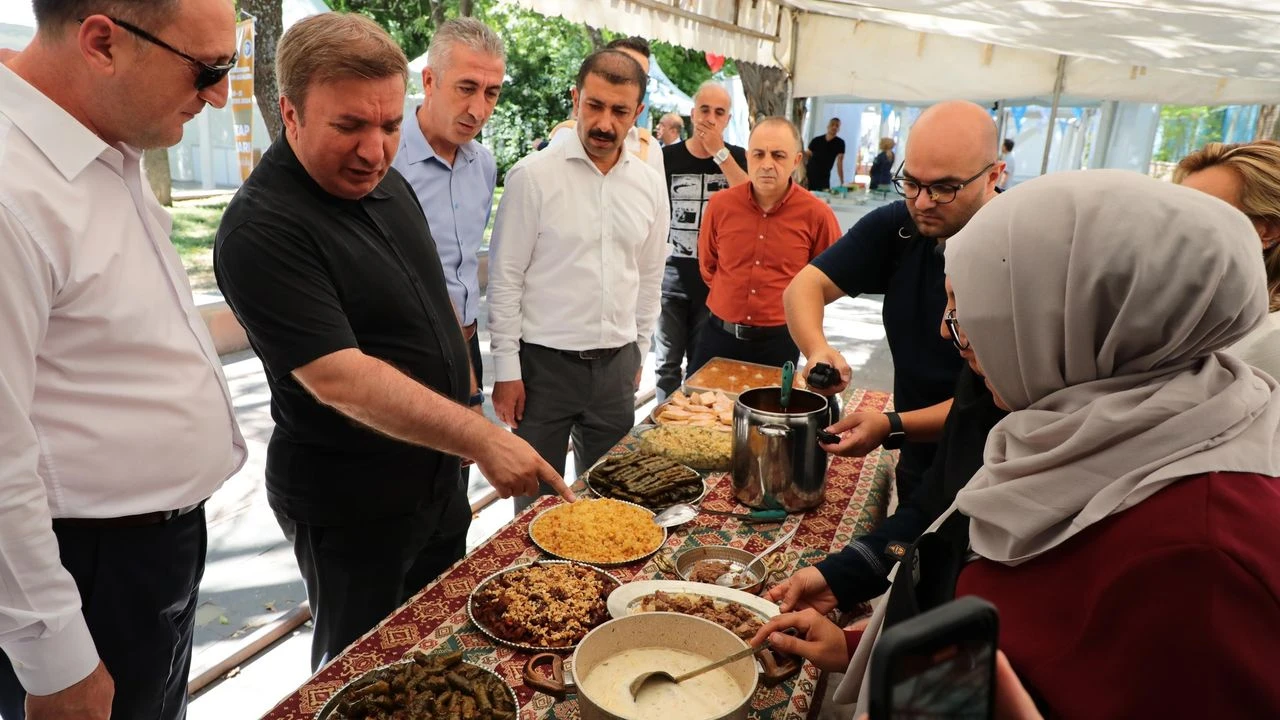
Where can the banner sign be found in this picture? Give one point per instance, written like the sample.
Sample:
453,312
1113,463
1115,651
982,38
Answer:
242,96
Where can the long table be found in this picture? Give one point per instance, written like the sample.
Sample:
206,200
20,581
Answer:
435,620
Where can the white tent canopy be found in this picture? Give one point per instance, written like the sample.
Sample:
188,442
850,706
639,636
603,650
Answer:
1169,51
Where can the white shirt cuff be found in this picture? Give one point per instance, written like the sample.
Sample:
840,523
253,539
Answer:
506,368
56,660
643,344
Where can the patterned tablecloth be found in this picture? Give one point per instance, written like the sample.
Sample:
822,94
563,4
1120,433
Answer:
435,620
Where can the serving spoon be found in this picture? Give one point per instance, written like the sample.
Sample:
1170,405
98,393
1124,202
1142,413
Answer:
658,677
733,578
681,513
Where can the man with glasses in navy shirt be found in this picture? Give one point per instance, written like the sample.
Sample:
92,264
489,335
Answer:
949,172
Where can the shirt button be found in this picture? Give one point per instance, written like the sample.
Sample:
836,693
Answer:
748,317
759,237
753,292
757,262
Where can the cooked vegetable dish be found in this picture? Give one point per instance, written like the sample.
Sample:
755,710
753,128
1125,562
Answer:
432,687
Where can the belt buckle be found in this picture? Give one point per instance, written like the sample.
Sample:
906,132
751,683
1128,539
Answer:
737,332
588,354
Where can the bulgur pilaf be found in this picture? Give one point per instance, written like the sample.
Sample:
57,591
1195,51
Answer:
597,531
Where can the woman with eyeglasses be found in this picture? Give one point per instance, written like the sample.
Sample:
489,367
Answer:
1124,519
1247,176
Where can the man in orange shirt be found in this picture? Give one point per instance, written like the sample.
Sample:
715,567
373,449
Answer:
754,238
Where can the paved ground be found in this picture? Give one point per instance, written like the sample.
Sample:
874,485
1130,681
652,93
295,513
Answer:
252,578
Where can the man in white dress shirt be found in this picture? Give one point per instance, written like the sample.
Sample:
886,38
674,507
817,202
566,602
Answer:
575,273
115,420
638,141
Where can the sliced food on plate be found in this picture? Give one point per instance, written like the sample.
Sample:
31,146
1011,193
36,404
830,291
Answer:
645,479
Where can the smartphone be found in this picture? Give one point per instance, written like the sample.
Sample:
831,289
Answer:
939,664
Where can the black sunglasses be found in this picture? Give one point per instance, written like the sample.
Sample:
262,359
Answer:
206,75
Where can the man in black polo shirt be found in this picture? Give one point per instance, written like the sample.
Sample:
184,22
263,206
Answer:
950,172
326,259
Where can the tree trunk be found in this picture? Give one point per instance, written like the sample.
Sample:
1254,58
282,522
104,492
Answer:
155,164
464,8
766,90
437,13
267,30
1268,123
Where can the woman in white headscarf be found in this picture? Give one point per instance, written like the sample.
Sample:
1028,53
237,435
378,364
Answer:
1126,520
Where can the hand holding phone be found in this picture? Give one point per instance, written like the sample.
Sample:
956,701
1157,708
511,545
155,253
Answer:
939,664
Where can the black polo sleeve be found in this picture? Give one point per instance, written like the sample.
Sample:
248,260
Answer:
279,289
739,155
863,260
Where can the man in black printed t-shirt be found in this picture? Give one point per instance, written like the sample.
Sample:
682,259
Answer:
695,169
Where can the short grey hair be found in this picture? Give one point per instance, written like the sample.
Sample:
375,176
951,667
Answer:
713,85
468,32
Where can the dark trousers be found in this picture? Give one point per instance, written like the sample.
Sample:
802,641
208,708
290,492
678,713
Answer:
138,588
715,342
591,402
357,574
676,340
477,361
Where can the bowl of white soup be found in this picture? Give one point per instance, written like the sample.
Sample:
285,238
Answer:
615,653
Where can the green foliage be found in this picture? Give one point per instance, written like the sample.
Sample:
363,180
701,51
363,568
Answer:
687,68
543,55
1183,128
408,21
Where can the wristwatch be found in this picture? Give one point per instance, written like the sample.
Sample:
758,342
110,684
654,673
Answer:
897,436
721,155
477,399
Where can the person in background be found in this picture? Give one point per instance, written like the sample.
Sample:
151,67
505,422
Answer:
948,173
1122,433
825,152
1247,176
575,274
882,166
639,141
453,175
755,237
696,169
115,420
1010,160
670,129
326,259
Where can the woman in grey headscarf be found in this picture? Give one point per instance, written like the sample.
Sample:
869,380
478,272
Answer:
1126,520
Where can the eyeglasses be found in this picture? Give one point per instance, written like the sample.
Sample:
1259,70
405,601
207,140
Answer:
953,329
206,75
939,193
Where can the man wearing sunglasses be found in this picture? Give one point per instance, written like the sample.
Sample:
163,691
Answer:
115,419
949,172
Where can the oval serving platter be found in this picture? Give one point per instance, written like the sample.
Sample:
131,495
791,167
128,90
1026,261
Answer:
587,561
626,599
496,637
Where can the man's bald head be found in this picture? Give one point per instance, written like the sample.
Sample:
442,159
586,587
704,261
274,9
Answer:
952,143
712,92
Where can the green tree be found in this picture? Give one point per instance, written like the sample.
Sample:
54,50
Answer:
1184,128
410,22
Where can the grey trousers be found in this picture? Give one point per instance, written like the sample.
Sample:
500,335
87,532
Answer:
676,340
591,402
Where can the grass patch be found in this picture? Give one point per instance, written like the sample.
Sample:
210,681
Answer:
195,223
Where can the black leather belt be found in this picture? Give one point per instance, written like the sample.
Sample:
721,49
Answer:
596,354
128,521
749,332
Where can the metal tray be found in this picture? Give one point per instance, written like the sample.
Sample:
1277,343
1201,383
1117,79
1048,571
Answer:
332,704
695,382
587,561
527,646
655,508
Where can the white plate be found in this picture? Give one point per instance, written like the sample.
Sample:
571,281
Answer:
626,599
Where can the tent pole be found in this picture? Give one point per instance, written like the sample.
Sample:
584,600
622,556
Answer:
999,125
1053,114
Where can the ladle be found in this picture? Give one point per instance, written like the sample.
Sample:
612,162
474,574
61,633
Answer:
660,676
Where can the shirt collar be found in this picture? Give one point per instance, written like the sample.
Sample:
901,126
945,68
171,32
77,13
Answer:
69,145
792,188
574,149
282,153
414,145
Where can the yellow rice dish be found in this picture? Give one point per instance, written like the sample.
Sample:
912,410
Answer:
597,531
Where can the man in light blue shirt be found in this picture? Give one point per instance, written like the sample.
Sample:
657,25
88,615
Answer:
453,175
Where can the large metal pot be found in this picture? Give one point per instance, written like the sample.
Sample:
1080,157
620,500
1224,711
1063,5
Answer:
777,461
645,630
